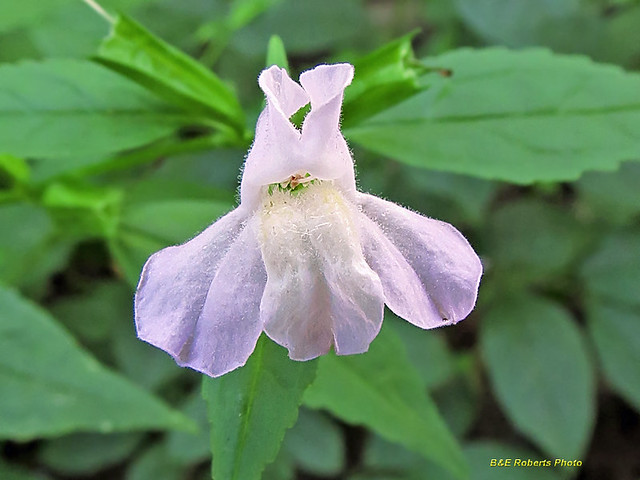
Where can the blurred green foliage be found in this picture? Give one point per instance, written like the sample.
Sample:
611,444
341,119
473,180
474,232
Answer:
515,120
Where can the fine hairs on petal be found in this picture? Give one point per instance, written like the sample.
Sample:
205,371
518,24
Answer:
320,291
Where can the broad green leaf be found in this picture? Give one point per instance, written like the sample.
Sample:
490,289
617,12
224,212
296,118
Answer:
154,463
383,78
612,196
59,108
316,444
146,227
304,27
83,209
541,373
146,365
613,272
616,333
130,251
282,468
382,391
576,116
74,30
173,221
251,408
459,400
15,46
30,246
189,448
276,53
461,199
429,354
516,23
108,304
87,453
532,240
51,387
111,333
25,12
173,75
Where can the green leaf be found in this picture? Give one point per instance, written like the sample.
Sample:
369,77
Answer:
616,333
612,196
31,249
87,453
58,108
276,53
148,226
83,209
305,27
459,400
107,304
541,373
52,387
250,409
144,364
576,116
515,23
144,58
429,354
382,391
186,447
154,463
532,240
383,78
613,272
316,444
26,12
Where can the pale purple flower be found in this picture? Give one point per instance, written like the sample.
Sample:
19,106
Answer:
306,258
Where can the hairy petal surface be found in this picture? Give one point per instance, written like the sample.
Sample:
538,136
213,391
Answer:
329,157
276,152
229,326
320,291
442,258
175,282
404,292
286,95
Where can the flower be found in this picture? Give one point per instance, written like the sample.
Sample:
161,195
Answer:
305,257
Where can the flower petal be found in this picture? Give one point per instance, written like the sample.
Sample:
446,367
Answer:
404,292
441,257
320,290
175,281
229,326
276,152
282,92
324,83
328,154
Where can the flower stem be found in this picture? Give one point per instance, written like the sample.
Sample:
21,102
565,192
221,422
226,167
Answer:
101,11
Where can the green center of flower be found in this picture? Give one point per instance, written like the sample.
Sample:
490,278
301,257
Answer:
293,185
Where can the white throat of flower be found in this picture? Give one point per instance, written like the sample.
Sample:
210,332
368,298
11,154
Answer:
307,221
